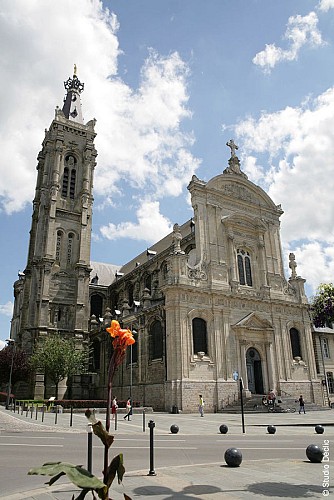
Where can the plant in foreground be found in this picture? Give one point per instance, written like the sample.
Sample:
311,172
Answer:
79,476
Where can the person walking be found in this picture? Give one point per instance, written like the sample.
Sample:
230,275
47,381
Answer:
114,407
128,409
201,405
301,404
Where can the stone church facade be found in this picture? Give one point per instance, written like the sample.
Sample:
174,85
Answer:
209,303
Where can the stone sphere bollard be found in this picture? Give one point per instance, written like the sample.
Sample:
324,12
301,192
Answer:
314,453
223,429
319,429
174,429
233,457
271,429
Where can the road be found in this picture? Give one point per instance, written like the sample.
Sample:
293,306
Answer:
197,442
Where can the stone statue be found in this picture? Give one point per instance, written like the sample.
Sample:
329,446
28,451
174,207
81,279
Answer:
233,147
292,265
177,237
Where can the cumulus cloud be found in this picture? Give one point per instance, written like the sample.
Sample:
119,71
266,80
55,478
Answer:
301,31
140,140
325,5
298,144
151,225
7,309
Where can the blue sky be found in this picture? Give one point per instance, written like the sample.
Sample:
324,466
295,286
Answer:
170,83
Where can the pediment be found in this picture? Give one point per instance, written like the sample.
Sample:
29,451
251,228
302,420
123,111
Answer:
254,322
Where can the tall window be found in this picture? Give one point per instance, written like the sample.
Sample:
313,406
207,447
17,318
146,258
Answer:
72,185
58,245
132,350
244,267
70,247
295,343
96,304
325,347
199,336
330,382
65,182
156,340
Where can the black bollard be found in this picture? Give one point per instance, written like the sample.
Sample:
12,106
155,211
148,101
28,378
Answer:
271,429
116,420
314,453
319,429
151,426
223,429
233,457
43,411
144,429
174,429
89,448
56,414
71,417
36,411
31,410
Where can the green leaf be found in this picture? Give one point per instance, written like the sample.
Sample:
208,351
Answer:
77,475
116,467
106,438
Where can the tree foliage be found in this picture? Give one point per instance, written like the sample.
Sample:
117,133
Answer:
322,305
58,359
21,366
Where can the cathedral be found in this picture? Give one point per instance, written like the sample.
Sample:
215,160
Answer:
209,304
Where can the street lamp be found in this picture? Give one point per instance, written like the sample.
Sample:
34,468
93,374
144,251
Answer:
12,343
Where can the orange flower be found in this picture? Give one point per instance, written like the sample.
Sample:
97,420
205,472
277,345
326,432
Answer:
122,337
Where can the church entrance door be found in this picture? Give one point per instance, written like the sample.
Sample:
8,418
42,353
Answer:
254,371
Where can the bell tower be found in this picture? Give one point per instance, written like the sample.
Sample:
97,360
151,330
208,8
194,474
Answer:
52,295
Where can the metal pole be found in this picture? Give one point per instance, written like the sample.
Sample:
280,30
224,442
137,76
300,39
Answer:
89,448
43,411
131,373
242,406
116,419
10,342
323,366
151,426
71,417
144,421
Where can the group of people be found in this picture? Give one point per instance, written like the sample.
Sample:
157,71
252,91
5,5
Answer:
270,400
114,408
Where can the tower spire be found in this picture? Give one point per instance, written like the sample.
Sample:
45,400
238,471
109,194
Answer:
72,102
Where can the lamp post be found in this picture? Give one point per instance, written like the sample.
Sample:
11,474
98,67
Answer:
12,343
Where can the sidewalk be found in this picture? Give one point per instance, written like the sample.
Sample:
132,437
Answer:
256,478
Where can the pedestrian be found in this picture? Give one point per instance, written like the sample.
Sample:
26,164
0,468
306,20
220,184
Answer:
201,405
114,407
128,409
272,397
301,404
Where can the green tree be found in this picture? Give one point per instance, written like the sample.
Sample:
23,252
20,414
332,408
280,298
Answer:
322,305
21,368
58,359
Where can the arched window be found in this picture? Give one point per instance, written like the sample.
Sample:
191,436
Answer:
130,294
96,304
156,340
58,245
244,267
200,342
295,343
70,247
65,183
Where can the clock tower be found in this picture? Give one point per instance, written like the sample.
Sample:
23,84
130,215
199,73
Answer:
52,295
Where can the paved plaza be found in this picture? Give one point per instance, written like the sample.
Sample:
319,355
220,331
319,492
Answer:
189,465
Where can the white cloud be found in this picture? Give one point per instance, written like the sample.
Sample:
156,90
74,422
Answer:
151,226
325,5
301,31
7,309
299,144
140,140
2,344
